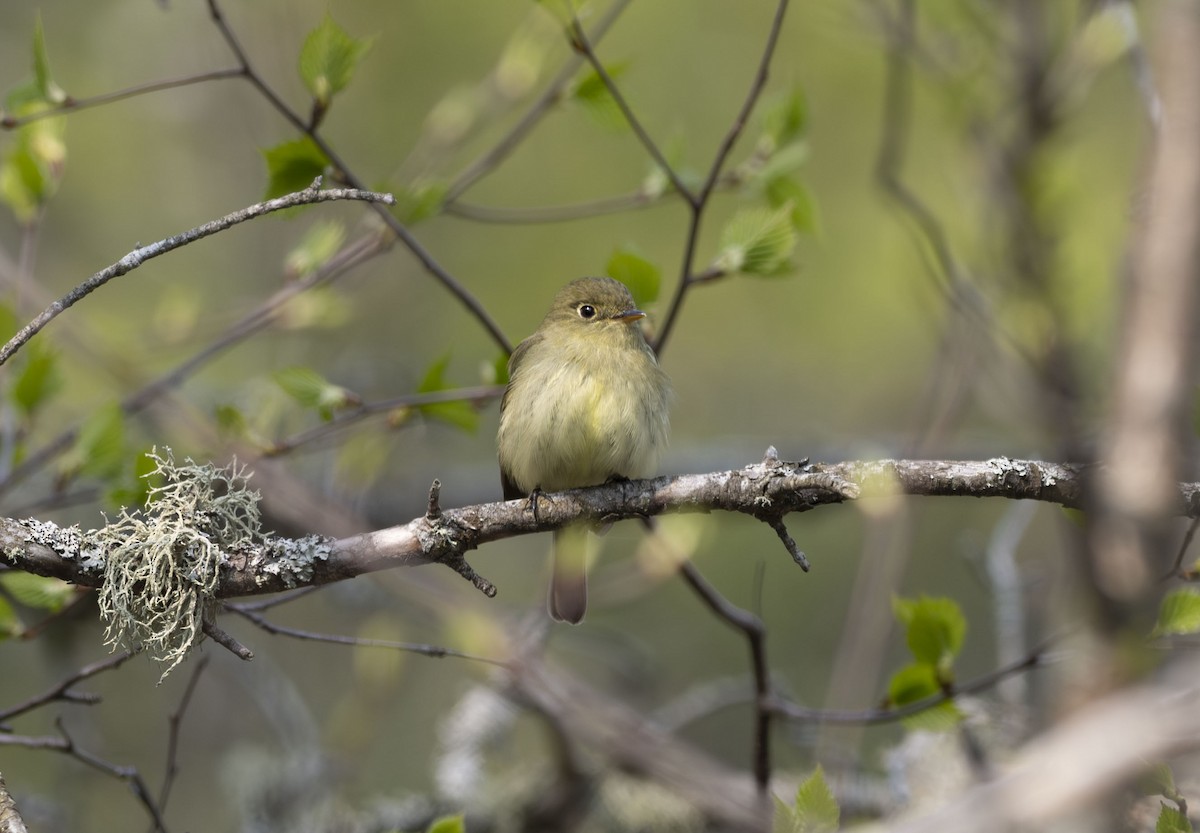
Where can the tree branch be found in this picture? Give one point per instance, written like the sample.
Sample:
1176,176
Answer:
131,261
766,491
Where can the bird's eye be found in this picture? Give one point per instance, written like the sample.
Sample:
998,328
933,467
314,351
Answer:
587,311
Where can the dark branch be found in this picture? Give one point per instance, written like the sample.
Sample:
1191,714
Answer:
131,261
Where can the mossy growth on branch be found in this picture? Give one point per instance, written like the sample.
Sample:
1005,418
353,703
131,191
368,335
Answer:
163,562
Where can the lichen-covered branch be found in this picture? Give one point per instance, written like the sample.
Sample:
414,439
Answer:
769,490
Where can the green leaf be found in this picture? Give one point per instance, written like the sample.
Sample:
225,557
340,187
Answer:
641,276
460,414
816,809
22,185
10,623
49,594
592,94
419,201
99,449
47,89
448,824
134,488
328,60
1179,613
312,390
231,422
38,379
33,165
1171,820
785,120
757,241
935,629
913,682
785,191
916,682
321,242
292,166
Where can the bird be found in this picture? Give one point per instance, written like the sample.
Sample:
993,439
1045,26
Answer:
586,403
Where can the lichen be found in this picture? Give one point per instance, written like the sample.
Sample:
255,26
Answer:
292,560
161,565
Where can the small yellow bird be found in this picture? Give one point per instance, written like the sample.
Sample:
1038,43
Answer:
586,403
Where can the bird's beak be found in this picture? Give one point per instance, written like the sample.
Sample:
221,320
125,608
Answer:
629,316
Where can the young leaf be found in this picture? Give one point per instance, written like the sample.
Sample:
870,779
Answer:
134,487
448,824
292,166
785,120
785,190
312,390
47,89
99,449
641,276
915,682
38,379
816,810
10,623
49,594
1171,820
419,201
319,244
33,165
935,629
328,60
757,241
1179,613
459,414
592,94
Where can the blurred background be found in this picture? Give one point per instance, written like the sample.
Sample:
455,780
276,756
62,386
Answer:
866,347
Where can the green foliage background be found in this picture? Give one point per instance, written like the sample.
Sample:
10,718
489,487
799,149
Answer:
836,360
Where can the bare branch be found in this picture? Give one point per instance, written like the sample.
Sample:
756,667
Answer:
63,691
310,195
755,632
171,768
74,105
248,611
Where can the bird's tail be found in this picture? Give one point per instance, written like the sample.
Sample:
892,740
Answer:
568,584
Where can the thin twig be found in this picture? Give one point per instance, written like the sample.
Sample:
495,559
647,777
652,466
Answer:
66,744
686,279
435,651
310,195
476,395
756,635
397,228
350,256
171,768
497,153
62,690
579,41
890,714
128,774
74,105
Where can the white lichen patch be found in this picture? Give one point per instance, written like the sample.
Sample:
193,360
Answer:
162,564
292,560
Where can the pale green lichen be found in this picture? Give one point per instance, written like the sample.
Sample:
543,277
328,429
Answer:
161,571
